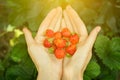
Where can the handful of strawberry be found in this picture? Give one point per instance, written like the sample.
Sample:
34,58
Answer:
62,43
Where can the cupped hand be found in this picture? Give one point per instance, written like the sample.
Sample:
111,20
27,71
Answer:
47,64
74,67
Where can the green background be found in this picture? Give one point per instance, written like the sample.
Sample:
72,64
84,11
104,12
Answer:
15,63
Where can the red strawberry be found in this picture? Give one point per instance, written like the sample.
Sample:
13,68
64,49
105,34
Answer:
66,32
60,43
53,46
71,49
47,44
58,35
49,33
74,39
59,53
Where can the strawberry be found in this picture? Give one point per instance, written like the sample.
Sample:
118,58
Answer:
58,35
47,44
60,53
49,33
54,47
65,32
60,43
74,39
71,49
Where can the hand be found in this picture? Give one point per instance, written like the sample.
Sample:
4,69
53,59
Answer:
48,66
74,67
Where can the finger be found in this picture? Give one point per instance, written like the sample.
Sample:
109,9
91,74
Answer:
72,22
86,47
28,36
44,25
58,24
78,22
55,23
67,21
63,24
91,38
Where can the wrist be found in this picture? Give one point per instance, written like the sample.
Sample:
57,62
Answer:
48,75
71,74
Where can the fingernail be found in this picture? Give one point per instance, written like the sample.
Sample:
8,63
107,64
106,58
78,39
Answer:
98,29
68,7
59,8
24,29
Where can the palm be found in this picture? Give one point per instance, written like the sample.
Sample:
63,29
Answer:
80,59
83,54
40,56
43,59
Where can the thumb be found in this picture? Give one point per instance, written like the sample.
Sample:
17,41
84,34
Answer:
92,37
28,36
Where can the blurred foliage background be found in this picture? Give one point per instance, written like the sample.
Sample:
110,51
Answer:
15,63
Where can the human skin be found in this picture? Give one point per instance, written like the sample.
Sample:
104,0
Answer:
48,66
74,67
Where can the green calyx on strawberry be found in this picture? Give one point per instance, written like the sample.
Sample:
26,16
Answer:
61,43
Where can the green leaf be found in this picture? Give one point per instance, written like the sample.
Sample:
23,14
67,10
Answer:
108,77
12,72
115,53
27,11
100,20
104,9
86,77
111,22
3,15
18,33
109,51
92,70
117,0
88,15
18,52
1,66
10,28
15,72
25,70
101,46
108,74
28,68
